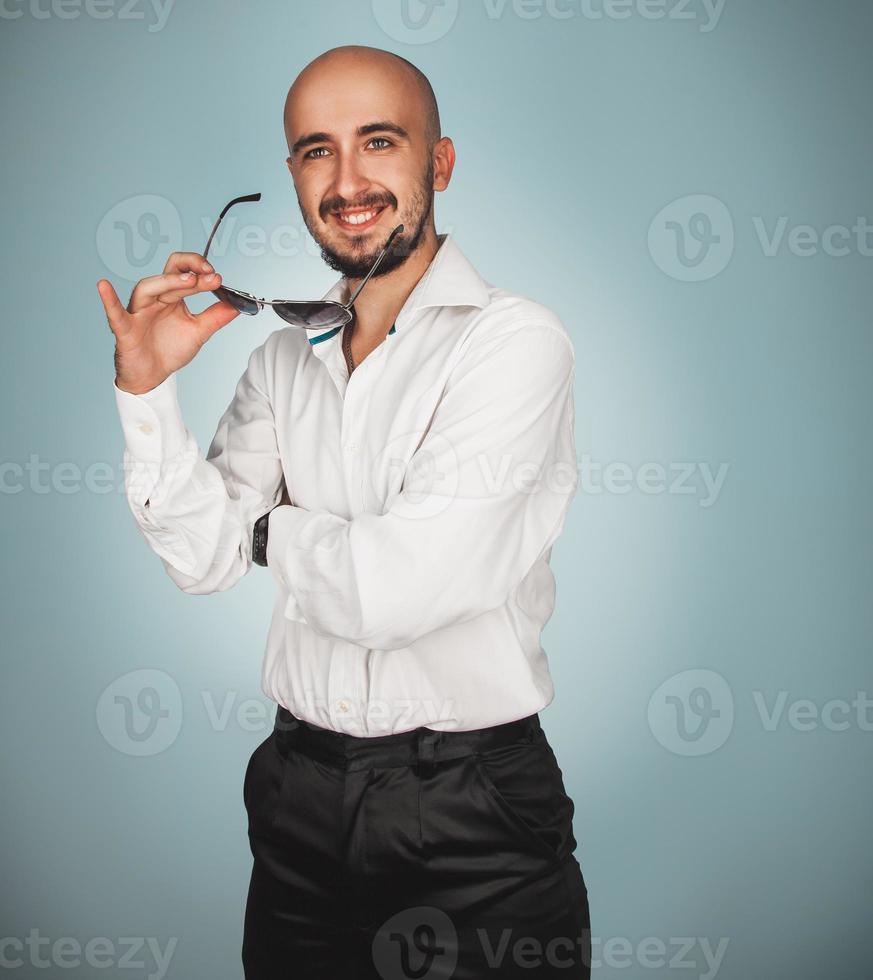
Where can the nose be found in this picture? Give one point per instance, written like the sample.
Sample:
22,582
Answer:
350,181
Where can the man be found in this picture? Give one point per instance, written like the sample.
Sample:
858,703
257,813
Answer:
404,478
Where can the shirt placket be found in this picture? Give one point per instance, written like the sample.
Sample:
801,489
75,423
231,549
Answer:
348,679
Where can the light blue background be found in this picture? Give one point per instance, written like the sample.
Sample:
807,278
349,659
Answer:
572,134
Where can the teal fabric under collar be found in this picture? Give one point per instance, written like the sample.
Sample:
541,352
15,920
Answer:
332,333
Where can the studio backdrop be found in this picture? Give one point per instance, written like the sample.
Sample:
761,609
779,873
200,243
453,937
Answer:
686,183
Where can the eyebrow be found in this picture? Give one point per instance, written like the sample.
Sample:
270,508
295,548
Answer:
383,126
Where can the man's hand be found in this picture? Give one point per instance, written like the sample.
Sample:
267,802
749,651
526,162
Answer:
156,334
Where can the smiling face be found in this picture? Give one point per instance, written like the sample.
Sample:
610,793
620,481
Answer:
365,156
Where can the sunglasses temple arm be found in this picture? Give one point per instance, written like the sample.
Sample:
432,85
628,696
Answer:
376,265
212,235
224,210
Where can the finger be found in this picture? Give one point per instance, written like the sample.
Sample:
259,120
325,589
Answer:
116,314
203,284
178,285
213,318
187,262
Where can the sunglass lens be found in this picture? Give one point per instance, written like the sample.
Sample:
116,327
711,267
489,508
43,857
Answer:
312,316
239,302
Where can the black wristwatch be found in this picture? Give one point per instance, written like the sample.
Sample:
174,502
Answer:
259,539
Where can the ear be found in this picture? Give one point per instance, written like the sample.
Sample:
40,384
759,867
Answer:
443,163
288,164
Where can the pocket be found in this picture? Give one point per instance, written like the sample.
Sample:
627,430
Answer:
526,786
262,785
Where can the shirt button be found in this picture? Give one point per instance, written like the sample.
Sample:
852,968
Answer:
146,428
342,705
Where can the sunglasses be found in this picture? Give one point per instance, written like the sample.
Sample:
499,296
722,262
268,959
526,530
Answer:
319,314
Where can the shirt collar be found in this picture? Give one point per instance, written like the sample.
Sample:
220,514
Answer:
449,280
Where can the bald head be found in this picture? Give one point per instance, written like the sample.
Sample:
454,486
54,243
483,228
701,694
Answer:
341,72
366,155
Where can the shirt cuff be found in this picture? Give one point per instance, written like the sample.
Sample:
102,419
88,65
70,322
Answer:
152,422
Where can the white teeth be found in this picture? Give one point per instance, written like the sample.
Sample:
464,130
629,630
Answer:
357,219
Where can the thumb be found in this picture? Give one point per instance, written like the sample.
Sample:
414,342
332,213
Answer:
116,314
213,318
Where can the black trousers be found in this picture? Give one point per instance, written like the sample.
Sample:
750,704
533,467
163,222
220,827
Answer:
427,855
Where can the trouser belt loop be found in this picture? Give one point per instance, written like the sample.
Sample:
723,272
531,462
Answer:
530,730
426,739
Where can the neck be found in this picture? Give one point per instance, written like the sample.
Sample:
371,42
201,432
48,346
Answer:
383,297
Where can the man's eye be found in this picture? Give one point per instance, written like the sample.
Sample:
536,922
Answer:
381,139
309,156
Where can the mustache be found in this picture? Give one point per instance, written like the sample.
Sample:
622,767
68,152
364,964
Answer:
341,204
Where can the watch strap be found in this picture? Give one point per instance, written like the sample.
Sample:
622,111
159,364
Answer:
259,539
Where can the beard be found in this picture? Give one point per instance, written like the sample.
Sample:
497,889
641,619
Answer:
414,220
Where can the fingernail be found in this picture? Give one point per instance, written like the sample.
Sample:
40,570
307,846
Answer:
207,267
186,275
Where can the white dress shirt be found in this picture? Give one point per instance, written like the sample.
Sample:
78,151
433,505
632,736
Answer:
412,567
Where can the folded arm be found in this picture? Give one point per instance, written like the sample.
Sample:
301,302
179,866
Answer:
485,495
